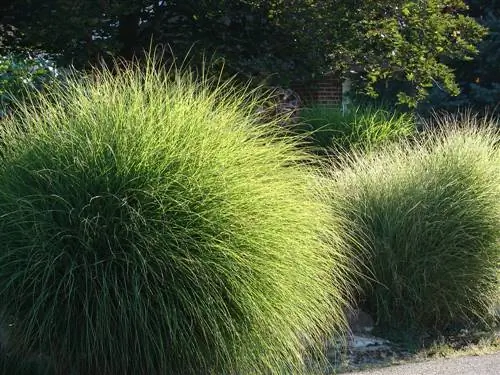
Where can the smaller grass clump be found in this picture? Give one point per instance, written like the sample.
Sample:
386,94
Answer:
426,216
151,224
364,127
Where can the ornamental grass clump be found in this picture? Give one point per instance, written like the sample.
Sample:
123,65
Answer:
151,224
427,213
333,130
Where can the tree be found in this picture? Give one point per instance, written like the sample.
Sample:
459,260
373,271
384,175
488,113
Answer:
479,79
403,41
280,40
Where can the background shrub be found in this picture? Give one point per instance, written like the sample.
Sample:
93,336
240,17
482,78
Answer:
364,127
152,225
20,74
428,216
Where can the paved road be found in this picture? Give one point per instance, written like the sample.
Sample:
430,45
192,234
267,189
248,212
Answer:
477,365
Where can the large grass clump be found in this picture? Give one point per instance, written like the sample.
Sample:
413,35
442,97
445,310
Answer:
360,128
427,213
151,224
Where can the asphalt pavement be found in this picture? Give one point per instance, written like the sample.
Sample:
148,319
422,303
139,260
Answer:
470,365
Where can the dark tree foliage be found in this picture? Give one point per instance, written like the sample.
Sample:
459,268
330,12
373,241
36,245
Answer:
479,79
275,40
241,35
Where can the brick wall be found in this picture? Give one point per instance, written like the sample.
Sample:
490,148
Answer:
325,91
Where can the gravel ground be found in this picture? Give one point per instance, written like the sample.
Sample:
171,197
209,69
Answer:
469,365
365,351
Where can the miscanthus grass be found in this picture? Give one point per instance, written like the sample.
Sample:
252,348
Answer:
151,224
332,130
427,213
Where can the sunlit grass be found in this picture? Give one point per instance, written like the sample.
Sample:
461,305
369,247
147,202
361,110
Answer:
427,213
151,224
